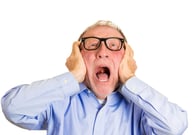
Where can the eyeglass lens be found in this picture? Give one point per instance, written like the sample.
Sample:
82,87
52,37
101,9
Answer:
94,43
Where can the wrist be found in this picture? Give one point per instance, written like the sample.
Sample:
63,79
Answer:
78,76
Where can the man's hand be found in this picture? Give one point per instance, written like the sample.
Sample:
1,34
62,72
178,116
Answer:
75,63
128,65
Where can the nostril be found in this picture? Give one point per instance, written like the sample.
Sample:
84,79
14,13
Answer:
103,56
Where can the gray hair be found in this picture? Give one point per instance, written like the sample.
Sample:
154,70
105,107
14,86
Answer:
104,23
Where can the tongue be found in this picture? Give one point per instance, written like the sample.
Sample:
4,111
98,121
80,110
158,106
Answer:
102,77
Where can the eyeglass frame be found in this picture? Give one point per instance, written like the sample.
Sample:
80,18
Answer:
100,41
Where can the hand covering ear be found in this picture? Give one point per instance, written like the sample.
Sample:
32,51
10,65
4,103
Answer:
128,65
75,63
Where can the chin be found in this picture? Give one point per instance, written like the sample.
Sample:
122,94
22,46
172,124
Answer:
101,89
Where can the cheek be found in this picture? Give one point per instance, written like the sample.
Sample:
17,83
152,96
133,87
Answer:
117,61
118,58
88,59
85,57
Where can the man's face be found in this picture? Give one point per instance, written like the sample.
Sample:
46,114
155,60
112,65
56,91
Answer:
102,64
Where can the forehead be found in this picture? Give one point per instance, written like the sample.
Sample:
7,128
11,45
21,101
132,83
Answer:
102,31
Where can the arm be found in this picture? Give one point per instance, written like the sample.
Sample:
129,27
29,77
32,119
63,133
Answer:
26,105
161,117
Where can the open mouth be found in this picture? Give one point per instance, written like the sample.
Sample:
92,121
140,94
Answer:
103,74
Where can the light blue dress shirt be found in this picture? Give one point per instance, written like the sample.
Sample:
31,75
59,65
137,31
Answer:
63,107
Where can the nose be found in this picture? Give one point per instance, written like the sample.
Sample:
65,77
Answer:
103,51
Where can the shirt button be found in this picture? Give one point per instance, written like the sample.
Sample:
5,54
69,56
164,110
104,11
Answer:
65,81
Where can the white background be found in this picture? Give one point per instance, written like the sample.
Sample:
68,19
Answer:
36,38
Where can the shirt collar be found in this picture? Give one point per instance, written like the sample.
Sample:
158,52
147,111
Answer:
112,99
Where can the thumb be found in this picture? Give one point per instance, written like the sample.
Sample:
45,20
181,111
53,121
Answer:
75,48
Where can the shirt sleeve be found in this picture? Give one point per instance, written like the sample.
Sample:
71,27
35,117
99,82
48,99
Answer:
160,117
25,105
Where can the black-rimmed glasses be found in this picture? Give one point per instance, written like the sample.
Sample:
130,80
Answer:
93,43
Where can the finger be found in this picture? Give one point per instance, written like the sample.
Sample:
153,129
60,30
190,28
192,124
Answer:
129,50
75,47
73,54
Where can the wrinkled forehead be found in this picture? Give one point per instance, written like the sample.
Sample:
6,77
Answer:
102,31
